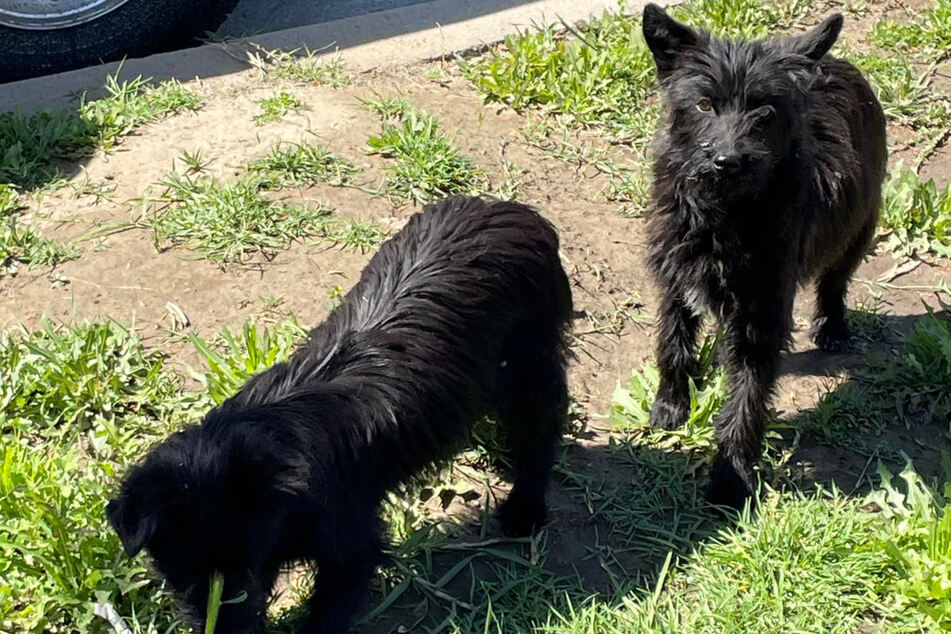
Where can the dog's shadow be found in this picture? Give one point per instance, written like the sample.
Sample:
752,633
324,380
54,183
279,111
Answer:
866,414
618,510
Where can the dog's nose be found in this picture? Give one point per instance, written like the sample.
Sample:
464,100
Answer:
727,162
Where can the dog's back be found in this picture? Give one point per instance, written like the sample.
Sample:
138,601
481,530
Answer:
847,125
461,293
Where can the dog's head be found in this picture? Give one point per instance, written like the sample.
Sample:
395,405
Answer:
201,504
735,109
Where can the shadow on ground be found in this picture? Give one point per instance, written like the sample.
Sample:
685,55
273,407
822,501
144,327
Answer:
618,509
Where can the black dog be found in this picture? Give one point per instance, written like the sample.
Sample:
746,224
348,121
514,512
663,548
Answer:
767,174
464,313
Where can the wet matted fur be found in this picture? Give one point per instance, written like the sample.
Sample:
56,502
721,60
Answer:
464,313
767,175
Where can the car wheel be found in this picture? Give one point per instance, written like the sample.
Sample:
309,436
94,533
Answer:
47,36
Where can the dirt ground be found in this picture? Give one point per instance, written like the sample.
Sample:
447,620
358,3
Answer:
123,276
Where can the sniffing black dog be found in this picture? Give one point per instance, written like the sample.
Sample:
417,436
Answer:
767,174
464,313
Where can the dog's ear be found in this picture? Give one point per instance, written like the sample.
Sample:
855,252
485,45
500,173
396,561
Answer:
666,38
817,42
134,526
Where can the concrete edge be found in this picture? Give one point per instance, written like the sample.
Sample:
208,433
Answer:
425,31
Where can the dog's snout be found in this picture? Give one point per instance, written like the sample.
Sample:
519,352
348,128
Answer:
727,162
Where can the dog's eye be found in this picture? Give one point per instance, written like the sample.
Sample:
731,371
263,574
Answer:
705,105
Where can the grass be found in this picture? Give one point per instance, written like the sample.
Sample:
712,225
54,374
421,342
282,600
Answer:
912,387
76,405
630,409
229,222
916,215
23,246
232,357
301,165
425,163
33,145
926,34
303,66
274,108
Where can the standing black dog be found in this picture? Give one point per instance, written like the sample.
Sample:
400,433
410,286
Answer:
464,313
767,174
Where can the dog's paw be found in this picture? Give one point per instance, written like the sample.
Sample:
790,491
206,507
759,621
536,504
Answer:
521,517
831,336
728,487
667,415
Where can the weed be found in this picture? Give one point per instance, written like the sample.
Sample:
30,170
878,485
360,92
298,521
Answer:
426,163
356,234
194,162
916,215
75,404
303,66
234,357
921,550
23,246
915,385
33,144
275,107
228,222
301,165
748,19
602,76
928,34
630,409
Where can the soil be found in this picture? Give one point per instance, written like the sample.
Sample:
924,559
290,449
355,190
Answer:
123,276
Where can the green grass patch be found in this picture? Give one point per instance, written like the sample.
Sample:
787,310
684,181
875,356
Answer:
275,107
916,215
24,246
234,356
631,405
31,146
301,165
426,164
231,221
921,550
927,34
76,404
912,386
803,564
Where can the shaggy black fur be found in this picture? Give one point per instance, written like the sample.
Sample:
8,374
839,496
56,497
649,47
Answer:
767,174
464,313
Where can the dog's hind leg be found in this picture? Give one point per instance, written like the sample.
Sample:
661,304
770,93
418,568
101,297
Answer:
676,358
829,330
533,411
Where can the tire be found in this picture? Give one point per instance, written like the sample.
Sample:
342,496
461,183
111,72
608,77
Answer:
134,29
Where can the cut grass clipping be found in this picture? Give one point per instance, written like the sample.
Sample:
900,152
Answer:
426,165
30,146
216,585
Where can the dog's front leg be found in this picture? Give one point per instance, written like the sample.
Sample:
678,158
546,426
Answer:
341,582
753,346
676,360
